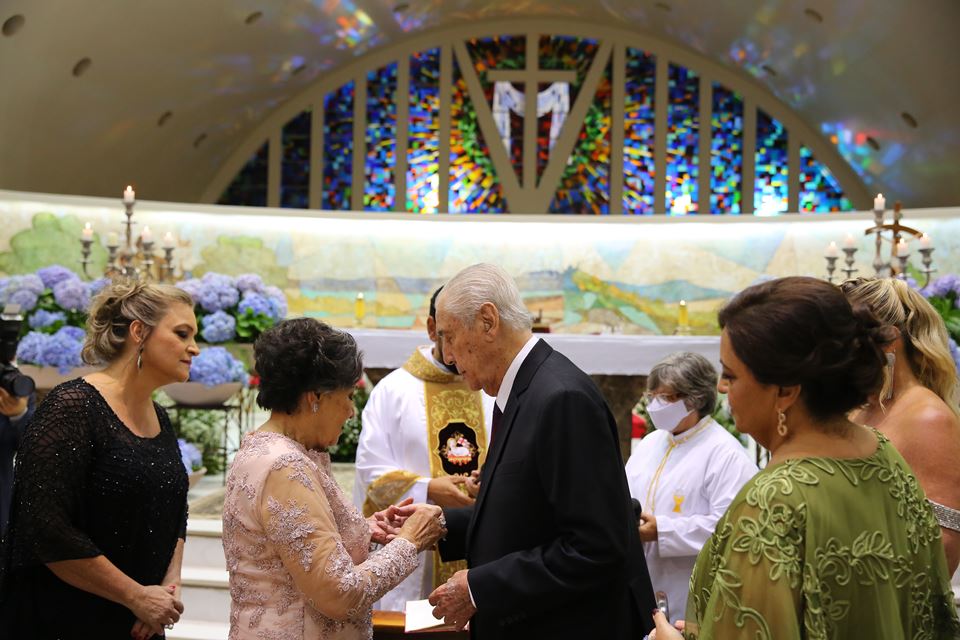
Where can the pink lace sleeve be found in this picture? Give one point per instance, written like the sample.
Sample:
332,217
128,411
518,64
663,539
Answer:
300,524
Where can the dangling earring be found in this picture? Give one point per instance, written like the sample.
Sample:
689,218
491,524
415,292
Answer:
140,358
891,361
781,423
316,407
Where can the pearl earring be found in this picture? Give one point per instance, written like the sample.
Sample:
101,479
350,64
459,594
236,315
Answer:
316,407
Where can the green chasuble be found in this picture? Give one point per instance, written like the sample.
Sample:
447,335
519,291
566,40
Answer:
825,548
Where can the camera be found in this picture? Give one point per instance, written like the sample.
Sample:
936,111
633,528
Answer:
11,380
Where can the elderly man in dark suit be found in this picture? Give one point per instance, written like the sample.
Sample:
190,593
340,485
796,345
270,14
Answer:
551,543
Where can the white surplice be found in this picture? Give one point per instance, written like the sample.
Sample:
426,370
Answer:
687,482
394,437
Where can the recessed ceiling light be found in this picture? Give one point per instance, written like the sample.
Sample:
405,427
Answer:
199,140
400,7
253,17
770,70
164,118
814,15
13,24
909,119
81,67
663,6
872,142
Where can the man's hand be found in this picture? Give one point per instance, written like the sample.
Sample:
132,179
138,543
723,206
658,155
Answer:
451,601
445,492
473,484
648,527
11,406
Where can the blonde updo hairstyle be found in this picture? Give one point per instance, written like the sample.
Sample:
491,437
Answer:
118,305
922,329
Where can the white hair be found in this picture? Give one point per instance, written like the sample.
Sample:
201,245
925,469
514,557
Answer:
480,283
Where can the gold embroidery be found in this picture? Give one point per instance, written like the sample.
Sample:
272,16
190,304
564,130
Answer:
677,501
387,489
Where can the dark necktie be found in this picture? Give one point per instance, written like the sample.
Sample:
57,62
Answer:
497,415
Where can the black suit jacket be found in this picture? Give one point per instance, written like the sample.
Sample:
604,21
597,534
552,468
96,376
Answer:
552,542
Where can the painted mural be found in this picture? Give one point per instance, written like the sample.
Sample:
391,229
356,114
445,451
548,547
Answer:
577,276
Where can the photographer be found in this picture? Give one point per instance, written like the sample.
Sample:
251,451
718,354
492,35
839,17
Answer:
15,414
16,404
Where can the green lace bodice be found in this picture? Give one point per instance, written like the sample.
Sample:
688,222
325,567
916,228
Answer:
820,548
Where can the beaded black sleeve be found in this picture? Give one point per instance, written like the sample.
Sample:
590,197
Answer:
86,485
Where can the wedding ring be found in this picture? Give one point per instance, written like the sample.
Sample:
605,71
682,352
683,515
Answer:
443,521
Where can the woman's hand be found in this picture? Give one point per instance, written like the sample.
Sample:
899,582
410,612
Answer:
384,525
424,527
155,607
664,630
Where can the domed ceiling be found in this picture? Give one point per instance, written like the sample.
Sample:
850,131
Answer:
97,95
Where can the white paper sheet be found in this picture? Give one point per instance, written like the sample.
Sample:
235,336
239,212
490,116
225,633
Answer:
420,616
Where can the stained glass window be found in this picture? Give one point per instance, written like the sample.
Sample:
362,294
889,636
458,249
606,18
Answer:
423,155
561,53
381,138
295,162
585,184
249,187
639,171
338,148
474,186
726,151
819,189
683,140
770,190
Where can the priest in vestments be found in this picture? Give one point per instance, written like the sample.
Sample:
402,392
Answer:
424,433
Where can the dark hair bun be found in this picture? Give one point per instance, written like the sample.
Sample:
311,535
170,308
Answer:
802,331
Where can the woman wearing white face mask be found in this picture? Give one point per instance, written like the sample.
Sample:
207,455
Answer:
685,473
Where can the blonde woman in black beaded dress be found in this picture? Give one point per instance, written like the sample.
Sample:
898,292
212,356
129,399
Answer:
99,509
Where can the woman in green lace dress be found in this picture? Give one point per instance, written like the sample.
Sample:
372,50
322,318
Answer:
834,539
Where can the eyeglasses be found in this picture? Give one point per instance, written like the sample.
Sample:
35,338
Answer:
649,397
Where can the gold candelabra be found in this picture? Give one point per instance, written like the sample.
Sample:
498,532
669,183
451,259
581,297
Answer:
135,258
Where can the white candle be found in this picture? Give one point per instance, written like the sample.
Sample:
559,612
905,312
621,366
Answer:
87,233
903,249
849,242
129,196
168,242
879,203
925,242
112,239
832,251
147,235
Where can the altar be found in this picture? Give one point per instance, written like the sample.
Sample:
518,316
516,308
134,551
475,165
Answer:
617,362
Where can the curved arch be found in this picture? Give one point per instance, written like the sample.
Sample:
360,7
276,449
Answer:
754,96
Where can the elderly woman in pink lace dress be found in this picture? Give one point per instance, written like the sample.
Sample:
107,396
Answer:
297,550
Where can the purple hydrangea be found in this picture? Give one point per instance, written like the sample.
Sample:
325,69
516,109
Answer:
25,298
250,282
60,350
42,318
72,294
191,286
219,326
216,365
943,286
955,352
257,304
97,285
76,333
31,282
55,274
217,292
279,302
190,455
